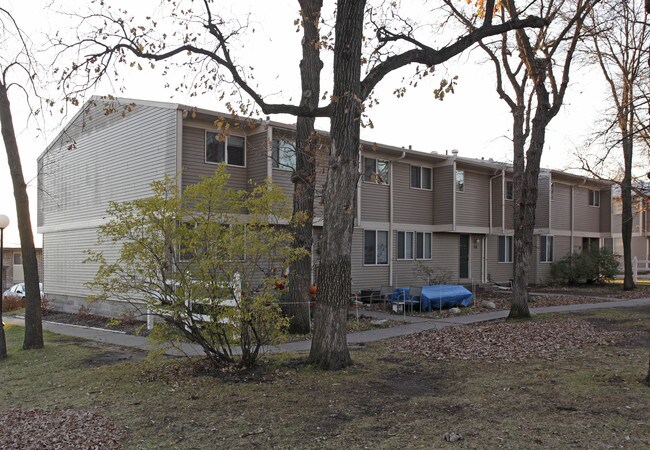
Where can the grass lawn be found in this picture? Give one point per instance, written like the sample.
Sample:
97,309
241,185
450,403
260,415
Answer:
591,397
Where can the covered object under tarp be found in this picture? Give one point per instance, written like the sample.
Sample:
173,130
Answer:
445,296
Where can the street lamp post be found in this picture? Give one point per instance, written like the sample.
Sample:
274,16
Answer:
4,223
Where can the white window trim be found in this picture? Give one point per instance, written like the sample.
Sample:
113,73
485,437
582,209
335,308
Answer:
546,258
383,182
205,149
421,170
363,257
412,245
508,238
592,197
424,243
282,166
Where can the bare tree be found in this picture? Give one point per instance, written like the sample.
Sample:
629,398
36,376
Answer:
532,75
19,70
110,38
619,47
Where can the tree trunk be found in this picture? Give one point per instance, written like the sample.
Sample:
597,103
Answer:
329,348
304,177
33,325
647,378
627,216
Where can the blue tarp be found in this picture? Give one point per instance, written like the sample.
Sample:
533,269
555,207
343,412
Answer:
445,296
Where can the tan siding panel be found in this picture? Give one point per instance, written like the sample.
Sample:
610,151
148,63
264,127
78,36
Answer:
498,272
374,202
587,218
195,167
411,205
257,154
497,203
114,158
443,201
605,211
473,205
561,205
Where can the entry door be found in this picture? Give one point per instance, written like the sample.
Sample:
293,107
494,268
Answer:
463,256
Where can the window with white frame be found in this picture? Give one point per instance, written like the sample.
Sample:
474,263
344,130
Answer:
546,248
225,149
421,177
460,180
594,197
376,170
404,245
283,154
375,247
423,245
505,249
510,191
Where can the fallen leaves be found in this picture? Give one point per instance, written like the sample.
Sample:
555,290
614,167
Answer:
58,429
505,341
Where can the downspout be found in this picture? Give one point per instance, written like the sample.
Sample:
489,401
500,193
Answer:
390,219
503,200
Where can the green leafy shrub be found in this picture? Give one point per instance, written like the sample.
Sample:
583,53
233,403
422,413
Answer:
204,261
595,266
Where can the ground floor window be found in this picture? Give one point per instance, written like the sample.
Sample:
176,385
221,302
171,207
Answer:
423,245
404,245
590,244
546,248
375,247
505,249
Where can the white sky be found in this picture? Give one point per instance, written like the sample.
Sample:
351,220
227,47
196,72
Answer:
473,120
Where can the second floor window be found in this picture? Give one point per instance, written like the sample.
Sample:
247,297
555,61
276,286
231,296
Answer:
510,192
505,249
404,245
375,247
460,181
376,170
283,154
594,198
546,248
231,151
420,177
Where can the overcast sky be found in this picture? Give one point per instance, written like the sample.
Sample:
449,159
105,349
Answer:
473,120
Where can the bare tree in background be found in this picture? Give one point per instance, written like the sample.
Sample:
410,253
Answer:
532,76
620,42
18,70
106,37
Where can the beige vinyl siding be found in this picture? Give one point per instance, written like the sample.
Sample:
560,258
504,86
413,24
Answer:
473,205
374,201
366,277
509,214
497,204
443,196
475,257
445,255
605,211
104,158
257,157
543,200
587,218
561,204
195,167
411,205
63,256
498,272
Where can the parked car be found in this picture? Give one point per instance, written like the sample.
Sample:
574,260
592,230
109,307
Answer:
18,290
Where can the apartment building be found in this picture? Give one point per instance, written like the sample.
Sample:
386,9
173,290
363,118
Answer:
416,211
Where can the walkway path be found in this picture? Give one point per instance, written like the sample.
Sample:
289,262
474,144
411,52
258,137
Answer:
412,325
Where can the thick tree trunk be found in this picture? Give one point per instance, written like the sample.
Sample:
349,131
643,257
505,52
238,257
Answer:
305,174
627,217
329,347
33,324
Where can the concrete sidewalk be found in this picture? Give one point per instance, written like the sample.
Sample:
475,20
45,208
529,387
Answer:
411,326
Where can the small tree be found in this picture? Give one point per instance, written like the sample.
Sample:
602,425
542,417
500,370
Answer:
205,261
